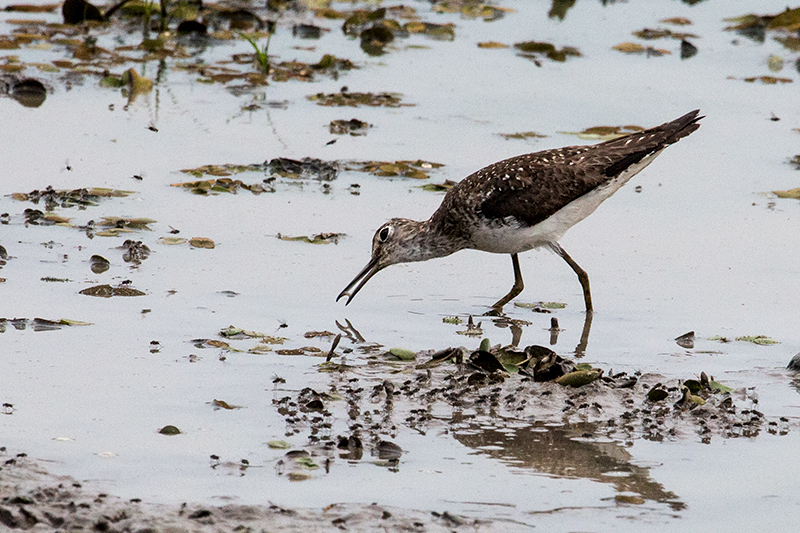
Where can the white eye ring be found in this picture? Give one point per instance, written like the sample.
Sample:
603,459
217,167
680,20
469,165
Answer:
385,232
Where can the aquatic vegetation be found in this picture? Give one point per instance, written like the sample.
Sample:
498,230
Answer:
345,98
261,54
535,49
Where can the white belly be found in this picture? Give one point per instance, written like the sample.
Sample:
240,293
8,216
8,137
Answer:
513,238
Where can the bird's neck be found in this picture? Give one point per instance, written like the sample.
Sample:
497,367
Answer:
427,241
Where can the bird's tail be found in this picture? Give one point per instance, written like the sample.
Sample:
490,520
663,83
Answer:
637,146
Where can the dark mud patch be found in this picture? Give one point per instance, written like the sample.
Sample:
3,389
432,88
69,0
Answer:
530,408
31,498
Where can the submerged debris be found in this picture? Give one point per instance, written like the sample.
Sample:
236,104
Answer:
345,98
306,167
107,291
281,166
134,252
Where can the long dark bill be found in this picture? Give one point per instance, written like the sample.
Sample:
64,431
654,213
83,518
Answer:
370,270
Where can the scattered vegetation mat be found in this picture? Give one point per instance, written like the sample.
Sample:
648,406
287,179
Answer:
80,198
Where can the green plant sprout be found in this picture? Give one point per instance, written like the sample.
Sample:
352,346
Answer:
262,54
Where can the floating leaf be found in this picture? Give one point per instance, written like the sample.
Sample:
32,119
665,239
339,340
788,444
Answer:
678,21
535,47
30,8
136,83
70,322
294,351
452,320
279,444
260,349
169,430
791,193
605,133
273,340
788,20
632,500
761,340
768,80
697,400
320,238
56,219
650,34
202,242
492,44
791,42
112,232
224,405
719,387
548,49
172,240
439,187
629,48
306,462
120,223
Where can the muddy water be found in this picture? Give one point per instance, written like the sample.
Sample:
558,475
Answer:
702,246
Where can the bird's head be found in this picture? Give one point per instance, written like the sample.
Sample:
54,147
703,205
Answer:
398,241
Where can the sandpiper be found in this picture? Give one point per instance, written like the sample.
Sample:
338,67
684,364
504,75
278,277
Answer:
525,202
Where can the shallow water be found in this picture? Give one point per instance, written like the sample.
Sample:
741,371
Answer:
703,246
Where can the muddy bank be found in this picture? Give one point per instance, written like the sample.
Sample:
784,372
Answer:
32,499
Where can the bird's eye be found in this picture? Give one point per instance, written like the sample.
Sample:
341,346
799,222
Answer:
384,233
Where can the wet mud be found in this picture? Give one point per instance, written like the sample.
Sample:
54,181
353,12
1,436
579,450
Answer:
195,155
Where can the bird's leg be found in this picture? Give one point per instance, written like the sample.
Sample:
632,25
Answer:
516,289
582,275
